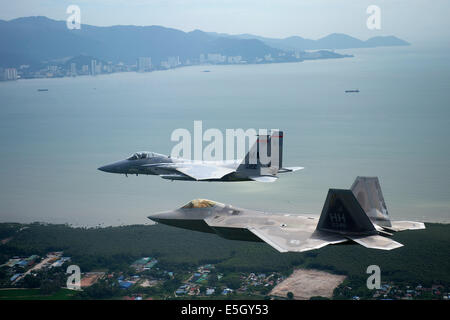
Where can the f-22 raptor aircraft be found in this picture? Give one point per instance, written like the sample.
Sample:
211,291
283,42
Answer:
358,215
251,168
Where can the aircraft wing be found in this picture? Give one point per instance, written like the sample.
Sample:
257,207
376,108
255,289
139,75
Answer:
284,233
197,171
204,171
294,240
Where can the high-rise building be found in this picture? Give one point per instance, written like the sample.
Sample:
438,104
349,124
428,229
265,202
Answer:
144,64
109,67
93,67
165,64
173,61
216,58
53,69
85,69
10,74
268,57
73,69
98,68
234,59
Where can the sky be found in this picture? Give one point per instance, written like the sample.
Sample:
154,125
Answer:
412,20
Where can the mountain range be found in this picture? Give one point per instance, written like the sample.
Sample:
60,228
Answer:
31,40
332,41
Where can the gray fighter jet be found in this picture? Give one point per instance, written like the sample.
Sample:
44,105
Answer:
358,215
251,168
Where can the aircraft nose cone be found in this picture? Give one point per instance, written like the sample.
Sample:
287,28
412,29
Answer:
154,217
116,167
161,216
108,168
103,168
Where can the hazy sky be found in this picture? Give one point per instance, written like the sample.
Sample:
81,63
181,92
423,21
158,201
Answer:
413,20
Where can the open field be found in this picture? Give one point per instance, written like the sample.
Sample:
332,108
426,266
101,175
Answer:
34,294
90,278
305,284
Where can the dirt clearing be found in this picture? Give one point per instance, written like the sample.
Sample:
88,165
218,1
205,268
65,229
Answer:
305,284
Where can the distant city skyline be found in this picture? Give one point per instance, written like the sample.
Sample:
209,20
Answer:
413,20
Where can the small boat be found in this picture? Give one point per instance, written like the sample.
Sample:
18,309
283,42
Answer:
206,71
350,91
42,89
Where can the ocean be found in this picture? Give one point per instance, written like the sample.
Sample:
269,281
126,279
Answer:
397,128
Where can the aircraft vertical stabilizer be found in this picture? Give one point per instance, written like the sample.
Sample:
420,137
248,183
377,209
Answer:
367,191
343,214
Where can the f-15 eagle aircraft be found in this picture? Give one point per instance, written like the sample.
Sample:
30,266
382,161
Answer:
358,215
170,168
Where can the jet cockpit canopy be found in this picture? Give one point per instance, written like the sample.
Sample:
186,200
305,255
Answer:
144,155
200,203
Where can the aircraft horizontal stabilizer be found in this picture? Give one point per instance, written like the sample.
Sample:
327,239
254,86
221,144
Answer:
264,178
290,169
405,225
376,242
